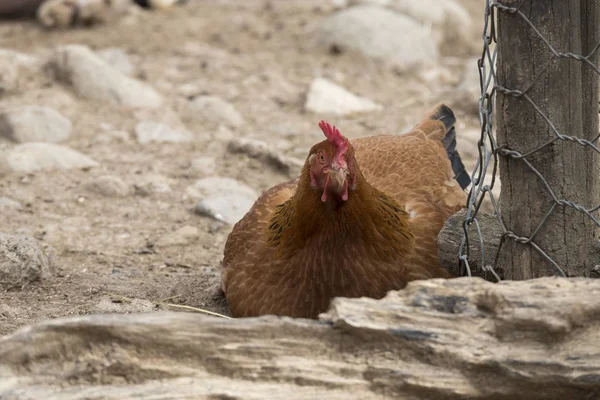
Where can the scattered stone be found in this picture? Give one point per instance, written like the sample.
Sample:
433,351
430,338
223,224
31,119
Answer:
274,85
205,165
218,185
326,97
19,59
226,208
34,124
223,199
152,183
151,131
118,59
93,78
190,89
109,186
439,75
378,33
22,260
7,204
214,110
56,97
15,68
204,86
452,26
33,157
112,136
56,13
265,153
337,4
282,90
220,136
7,312
63,14
215,227
122,305
180,237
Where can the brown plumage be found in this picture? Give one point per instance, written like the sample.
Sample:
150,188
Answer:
362,219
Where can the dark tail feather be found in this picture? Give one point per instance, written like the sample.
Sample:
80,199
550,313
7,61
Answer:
444,114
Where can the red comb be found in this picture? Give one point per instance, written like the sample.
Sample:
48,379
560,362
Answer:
334,137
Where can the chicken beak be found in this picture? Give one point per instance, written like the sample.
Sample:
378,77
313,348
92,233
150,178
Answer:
336,182
340,182
339,178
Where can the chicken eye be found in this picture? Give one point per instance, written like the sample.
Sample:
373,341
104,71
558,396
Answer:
321,158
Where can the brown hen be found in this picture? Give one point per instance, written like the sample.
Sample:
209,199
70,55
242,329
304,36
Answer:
362,219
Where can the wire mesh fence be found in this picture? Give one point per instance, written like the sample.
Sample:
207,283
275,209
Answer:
490,152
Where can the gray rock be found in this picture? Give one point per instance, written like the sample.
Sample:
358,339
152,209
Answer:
118,59
204,165
34,124
265,153
93,78
226,208
151,131
7,312
62,14
33,157
58,98
378,33
9,56
326,97
214,110
152,183
223,199
15,68
182,236
112,136
337,4
7,204
22,260
215,184
452,26
275,86
109,186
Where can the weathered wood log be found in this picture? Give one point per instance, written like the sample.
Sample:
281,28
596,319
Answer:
439,339
450,239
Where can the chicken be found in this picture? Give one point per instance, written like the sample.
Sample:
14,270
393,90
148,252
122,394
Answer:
362,219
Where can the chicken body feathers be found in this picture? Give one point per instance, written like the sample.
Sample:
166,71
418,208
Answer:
414,184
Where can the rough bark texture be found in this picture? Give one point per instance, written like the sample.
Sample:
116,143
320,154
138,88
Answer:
439,339
566,91
450,239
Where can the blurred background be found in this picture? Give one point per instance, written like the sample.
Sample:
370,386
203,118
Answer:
132,138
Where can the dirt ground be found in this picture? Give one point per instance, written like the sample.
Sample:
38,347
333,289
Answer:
259,56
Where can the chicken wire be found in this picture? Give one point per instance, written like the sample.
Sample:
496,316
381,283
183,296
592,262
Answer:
489,152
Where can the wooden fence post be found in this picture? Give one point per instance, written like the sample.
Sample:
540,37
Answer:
565,90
